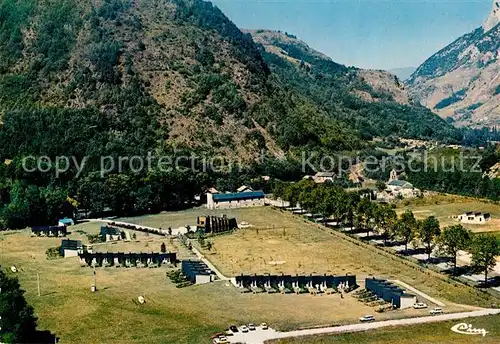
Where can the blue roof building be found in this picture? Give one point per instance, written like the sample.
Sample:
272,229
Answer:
247,198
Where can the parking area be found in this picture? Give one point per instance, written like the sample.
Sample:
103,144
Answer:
257,336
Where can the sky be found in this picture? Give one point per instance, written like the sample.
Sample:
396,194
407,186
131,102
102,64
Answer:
377,34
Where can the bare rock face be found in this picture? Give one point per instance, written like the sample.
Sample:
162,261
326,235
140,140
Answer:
462,81
494,17
384,82
384,85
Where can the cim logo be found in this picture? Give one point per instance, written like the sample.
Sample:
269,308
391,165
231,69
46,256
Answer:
464,328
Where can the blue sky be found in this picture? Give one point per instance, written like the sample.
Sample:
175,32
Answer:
380,34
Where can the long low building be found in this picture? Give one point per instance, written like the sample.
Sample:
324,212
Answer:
235,199
52,231
127,259
390,293
297,281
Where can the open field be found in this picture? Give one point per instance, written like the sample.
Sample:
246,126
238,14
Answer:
192,314
421,334
443,207
185,217
296,246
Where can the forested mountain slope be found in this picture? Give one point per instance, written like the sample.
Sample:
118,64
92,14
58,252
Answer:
462,81
127,77
375,103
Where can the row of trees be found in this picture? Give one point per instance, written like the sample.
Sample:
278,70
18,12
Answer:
356,209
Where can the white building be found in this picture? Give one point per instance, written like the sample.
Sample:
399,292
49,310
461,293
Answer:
71,248
471,217
323,177
235,200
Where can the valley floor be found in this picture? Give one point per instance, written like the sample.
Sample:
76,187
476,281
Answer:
191,315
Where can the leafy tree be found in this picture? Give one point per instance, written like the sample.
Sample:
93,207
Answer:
428,233
365,214
386,219
380,185
484,249
453,239
17,322
406,227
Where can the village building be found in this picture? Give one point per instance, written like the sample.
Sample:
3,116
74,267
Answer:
71,248
474,218
390,293
197,272
323,177
244,198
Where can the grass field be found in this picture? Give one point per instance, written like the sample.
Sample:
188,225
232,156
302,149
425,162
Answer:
190,315
421,334
444,207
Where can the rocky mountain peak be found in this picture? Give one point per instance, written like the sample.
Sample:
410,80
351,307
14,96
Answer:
494,17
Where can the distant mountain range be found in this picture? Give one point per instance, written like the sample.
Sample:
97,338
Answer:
462,81
403,73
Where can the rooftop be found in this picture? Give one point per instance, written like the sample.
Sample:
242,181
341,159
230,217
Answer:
400,183
237,196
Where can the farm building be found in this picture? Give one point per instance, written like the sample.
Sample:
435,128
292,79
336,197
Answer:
66,222
390,293
214,224
71,248
235,199
196,271
471,217
49,231
108,233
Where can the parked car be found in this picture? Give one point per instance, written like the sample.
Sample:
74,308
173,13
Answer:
264,326
366,318
419,305
251,327
244,329
436,311
233,328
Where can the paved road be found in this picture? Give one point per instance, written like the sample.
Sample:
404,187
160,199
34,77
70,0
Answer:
259,337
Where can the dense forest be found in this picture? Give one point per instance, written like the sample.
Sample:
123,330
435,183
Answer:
173,78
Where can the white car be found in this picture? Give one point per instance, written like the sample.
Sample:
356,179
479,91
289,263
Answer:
251,327
419,305
264,326
436,311
244,329
366,318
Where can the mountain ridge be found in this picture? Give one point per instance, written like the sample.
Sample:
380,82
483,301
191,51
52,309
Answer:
461,81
